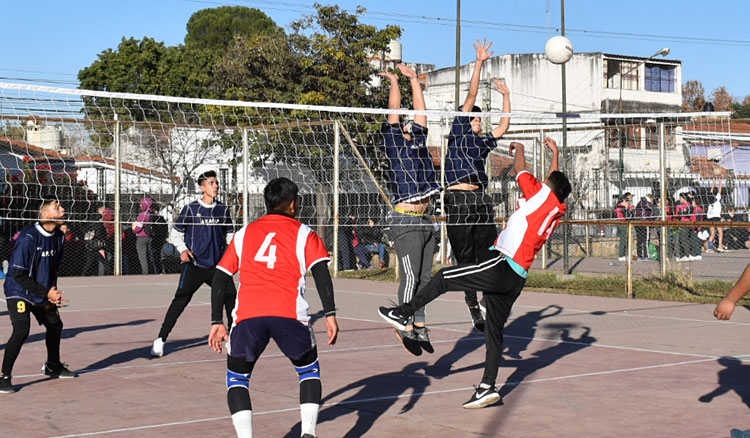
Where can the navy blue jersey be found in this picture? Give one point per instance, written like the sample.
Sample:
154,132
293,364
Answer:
411,173
40,253
205,227
467,152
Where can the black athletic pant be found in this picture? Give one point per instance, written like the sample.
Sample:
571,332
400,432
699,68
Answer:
238,398
501,286
20,317
191,279
471,229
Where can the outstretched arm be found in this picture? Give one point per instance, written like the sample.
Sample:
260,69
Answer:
416,93
519,160
394,96
552,146
725,308
482,55
503,89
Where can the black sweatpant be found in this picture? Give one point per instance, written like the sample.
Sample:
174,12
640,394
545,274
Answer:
471,229
501,286
20,313
191,279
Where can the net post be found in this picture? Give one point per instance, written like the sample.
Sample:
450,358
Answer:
443,224
542,164
663,199
245,194
336,150
118,224
629,262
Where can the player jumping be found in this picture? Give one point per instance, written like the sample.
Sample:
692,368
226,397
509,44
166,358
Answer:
200,234
31,288
272,255
503,276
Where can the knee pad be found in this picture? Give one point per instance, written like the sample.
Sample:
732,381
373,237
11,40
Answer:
236,380
306,372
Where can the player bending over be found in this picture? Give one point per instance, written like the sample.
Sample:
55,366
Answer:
502,277
272,256
31,288
200,233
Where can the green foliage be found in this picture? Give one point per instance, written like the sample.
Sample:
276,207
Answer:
216,28
741,111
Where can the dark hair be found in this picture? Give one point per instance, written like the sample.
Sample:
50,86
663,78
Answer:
206,175
47,200
279,193
560,185
475,109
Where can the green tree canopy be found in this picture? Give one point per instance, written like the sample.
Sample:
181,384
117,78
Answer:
216,28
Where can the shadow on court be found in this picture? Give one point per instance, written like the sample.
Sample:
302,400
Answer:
75,331
375,396
145,351
732,378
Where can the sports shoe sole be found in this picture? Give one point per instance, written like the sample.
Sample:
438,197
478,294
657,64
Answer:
49,373
392,322
417,349
483,402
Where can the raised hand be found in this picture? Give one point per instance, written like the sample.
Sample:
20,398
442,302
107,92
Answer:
501,87
389,75
513,146
406,71
551,145
482,49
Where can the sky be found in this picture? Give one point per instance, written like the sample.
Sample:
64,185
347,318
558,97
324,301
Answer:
52,40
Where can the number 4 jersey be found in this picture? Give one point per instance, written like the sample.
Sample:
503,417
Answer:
532,224
272,256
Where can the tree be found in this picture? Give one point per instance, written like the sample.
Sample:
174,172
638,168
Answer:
216,28
721,99
693,96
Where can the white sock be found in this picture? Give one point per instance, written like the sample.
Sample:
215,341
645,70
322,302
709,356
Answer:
309,412
243,423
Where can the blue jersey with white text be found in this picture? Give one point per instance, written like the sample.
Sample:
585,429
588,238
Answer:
466,153
40,253
411,173
206,227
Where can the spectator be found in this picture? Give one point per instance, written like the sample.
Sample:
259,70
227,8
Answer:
683,212
346,239
695,242
714,215
644,211
372,237
129,252
159,231
95,243
736,238
143,240
73,252
360,250
623,212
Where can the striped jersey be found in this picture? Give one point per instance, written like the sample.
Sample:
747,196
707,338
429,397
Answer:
537,216
38,252
272,256
205,227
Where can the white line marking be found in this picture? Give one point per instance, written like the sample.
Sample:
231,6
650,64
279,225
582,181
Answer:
391,397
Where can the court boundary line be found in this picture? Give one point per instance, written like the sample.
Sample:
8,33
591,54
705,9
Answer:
398,396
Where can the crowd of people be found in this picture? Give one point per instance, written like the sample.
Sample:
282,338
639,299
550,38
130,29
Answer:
685,243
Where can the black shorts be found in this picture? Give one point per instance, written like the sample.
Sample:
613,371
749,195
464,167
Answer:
713,219
250,337
19,310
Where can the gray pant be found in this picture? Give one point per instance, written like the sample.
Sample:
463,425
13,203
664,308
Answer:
414,237
143,246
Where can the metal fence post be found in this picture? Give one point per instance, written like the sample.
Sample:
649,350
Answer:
118,183
336,148
663,199
629,262
245,190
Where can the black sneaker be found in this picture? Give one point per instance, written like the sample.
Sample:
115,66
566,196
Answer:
483,396
5,386
476,318
393,316
409,339
423,338
308,435
61,371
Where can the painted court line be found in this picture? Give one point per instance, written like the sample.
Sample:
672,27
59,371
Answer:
365,400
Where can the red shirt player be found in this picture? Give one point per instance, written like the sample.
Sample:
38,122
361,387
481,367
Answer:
501,278
272,256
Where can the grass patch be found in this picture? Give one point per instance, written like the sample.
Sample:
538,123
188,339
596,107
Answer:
674,286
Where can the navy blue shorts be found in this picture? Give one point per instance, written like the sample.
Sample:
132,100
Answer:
250,337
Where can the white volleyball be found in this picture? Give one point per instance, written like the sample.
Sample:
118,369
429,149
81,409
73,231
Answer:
558,49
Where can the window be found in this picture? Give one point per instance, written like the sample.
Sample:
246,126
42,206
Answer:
612,69
660,78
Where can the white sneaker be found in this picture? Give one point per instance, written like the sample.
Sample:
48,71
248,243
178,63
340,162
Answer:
698,258
157,350
622,259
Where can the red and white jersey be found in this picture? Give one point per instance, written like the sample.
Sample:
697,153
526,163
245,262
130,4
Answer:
272,255
536,218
